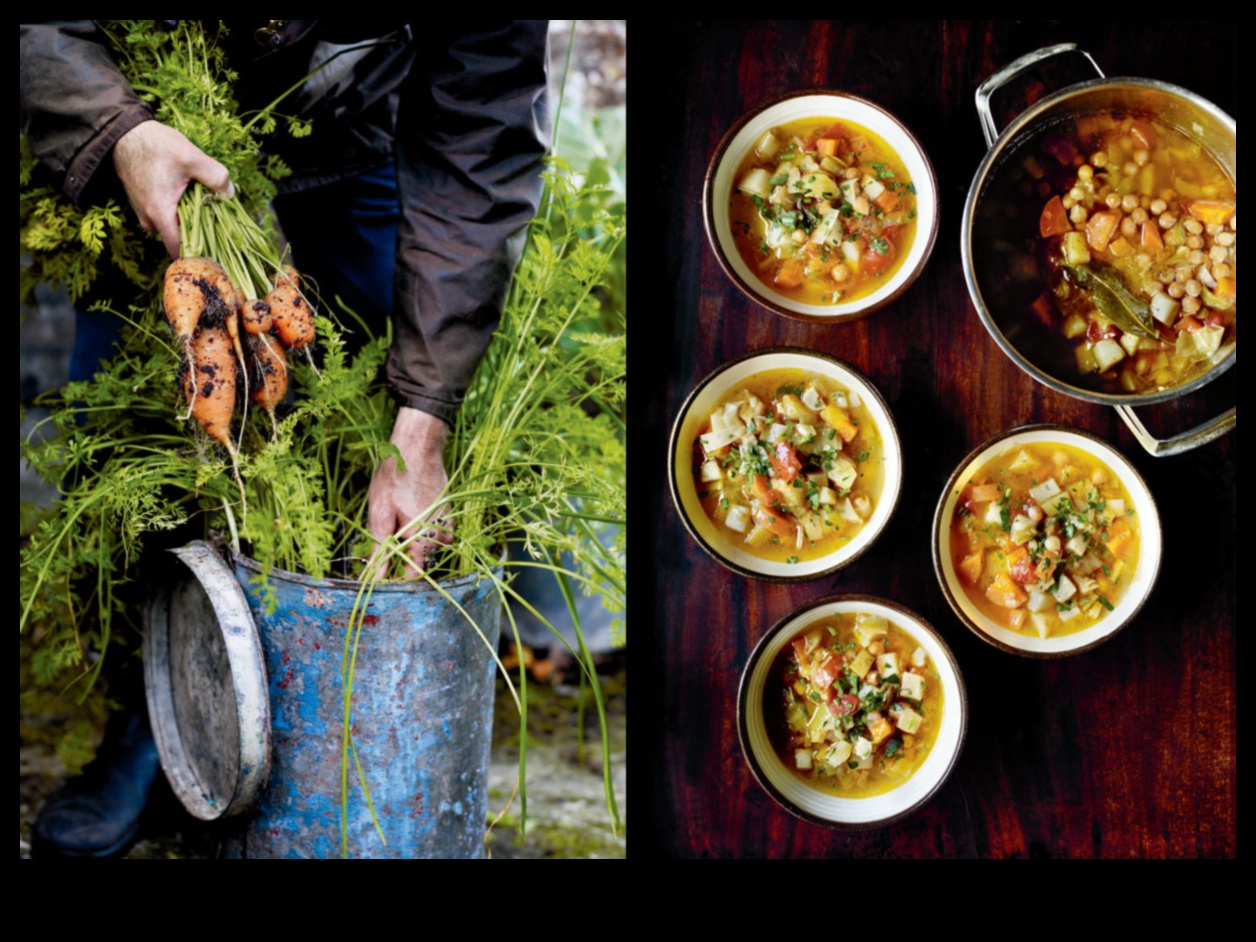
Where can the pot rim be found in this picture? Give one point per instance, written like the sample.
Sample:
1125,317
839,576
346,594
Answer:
417,585
1017,126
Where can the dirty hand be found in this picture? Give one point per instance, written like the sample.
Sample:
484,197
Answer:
155,164
397,499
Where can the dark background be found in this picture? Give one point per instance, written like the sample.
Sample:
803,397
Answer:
1128,750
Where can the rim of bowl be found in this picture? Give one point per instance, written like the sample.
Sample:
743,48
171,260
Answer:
891,443
854,310
954,727
982,178
1131,604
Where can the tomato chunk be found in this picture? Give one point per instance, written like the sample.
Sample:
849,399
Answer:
1054,219
785,462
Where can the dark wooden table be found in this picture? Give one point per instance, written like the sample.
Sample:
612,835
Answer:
1128,750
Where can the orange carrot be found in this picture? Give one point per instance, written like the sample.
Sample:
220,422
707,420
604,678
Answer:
255,316
211,384
268,379
293,318
197,293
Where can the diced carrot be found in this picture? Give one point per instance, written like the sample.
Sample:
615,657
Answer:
984,492
1054,219
972,565
1226,288
1099,230
1121,247
777,522
791,274
1119,536
1212,212
826,147
1188,323
888,201
1004,592
1016,618
879,731
1020,566
1144,133
837,417
1150,235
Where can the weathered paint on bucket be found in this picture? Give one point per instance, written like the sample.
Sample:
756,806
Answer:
421,718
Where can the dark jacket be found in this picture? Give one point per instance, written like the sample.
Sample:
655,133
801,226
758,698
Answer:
463,113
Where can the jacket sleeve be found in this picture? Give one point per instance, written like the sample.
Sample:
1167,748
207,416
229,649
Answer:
472,131
75,104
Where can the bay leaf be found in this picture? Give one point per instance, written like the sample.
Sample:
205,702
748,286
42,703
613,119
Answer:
1115,301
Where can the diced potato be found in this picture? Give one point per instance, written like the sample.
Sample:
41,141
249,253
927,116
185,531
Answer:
1164,309
836,417
1107,353
909,720
887,664
1086,359
1076,251
1042,624
1022,462
755,183
863,747
972,565
768,146
1066,590
879,731
1023,529
862,662
792,408
844,473
802,759
838,753
711,472
759,536
918,657
738,518
913,687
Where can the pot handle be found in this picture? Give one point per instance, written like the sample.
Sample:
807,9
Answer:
1009,72
1177,444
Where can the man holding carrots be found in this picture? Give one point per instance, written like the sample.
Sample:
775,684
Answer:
409,200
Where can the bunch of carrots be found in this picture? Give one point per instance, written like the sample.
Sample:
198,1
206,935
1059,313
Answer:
235,310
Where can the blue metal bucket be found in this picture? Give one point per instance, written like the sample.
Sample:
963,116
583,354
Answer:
422,708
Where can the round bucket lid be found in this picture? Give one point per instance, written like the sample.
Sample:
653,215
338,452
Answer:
205,676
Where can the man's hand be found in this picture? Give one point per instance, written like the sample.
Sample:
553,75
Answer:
155,164
396,499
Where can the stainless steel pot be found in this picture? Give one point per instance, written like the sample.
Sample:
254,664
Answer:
986,223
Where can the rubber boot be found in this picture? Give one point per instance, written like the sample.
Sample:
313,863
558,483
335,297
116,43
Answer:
97,814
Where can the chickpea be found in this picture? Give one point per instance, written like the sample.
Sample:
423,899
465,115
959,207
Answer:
1197,258
1164,276
799,237
1221,270
1113,200
1213,228
1100,477
1225,239
1051,544
851,173
1144,260
1098,159
1034,514
1218,254
1085,172
1167,220
1194,242
1191,305
1130,168
1193,288
1157,207
1078,214
1129,202
1176,291
1128,229
1168,195
1141,157
1181,276
1068,202
1193,226
876,649
1234,223
1077,194
1139,216
873,679
840,272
